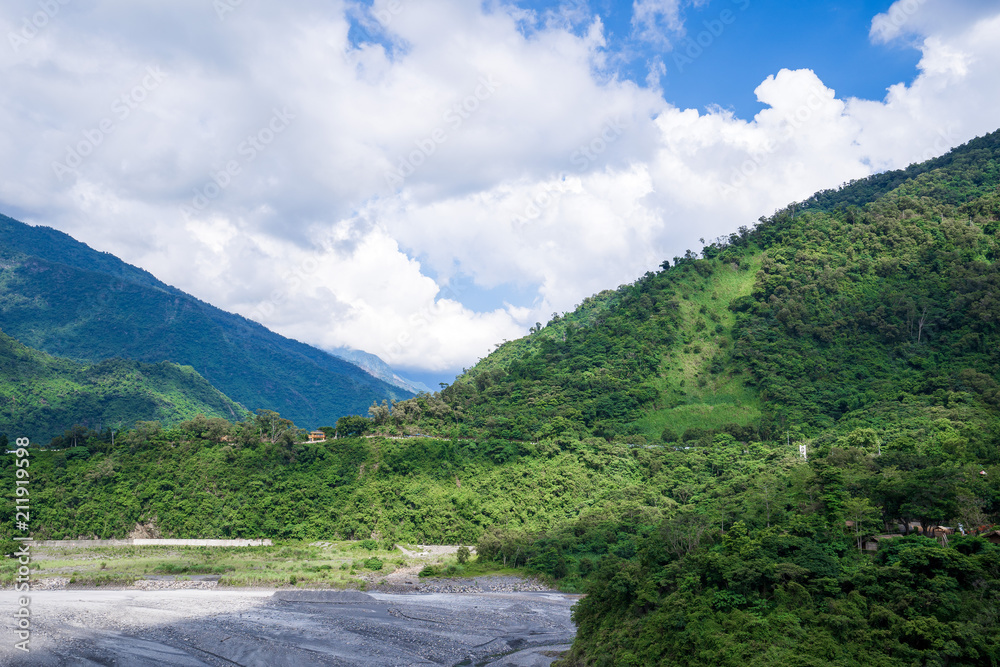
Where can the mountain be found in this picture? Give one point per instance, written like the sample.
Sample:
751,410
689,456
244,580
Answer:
62,297
750,457
862,325
819,318
43,396
374,366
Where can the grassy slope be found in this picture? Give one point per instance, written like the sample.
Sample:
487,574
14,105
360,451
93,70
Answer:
42,396
698,398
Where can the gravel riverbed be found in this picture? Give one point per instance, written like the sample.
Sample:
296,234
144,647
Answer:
488,621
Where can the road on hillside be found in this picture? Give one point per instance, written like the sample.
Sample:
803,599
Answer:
288,628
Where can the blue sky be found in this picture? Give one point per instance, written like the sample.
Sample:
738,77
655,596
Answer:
728,47
734,52
436,176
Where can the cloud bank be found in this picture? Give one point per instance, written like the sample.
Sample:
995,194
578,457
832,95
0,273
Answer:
356,175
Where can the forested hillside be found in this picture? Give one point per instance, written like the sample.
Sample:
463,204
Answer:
62,297
645,447
43,397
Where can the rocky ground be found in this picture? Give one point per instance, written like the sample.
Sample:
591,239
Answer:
492,584
294,627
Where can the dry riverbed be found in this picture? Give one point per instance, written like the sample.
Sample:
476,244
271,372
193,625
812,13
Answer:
292,604
291,628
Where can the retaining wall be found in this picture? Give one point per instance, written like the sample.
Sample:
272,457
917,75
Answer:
142,542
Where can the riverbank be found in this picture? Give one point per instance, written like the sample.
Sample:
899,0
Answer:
360,564
292,627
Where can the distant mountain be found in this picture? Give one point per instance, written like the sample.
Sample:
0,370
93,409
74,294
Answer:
42,396
378,368
62,297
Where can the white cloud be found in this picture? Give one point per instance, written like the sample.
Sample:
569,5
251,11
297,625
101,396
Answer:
514,162
658,21
919,18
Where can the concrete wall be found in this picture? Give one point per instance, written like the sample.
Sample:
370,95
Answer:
140,542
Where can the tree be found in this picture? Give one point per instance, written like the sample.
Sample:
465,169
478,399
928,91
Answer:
863,515
380,413
270,425
353,425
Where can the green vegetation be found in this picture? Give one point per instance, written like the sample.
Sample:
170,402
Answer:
64,298
295,563
209,478
644,449
44,397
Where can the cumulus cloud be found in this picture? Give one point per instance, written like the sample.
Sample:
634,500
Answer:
917,19
339,185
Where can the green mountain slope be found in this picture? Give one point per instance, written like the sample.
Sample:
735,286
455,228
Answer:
821,313
644,448
60,296
43,396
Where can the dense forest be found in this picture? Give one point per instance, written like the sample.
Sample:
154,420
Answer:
44,396
645,448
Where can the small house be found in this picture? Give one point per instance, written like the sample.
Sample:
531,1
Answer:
871,544
317,436
993,536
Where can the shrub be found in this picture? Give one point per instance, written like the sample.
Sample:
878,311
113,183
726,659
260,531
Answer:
373,563
463,554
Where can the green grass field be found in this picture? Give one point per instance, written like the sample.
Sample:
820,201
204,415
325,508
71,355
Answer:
697,396
301,564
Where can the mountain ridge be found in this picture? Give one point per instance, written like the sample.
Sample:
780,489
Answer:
644,449
44,396
62,297
374,365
